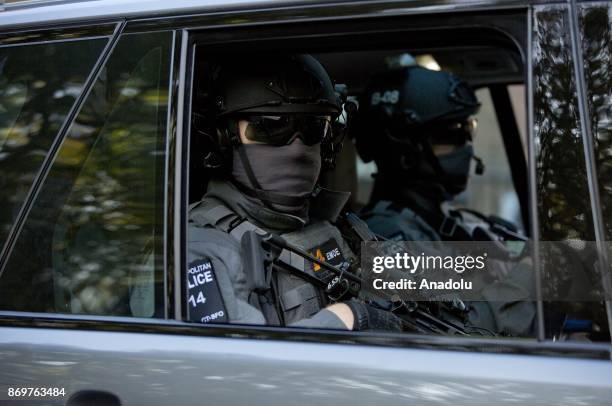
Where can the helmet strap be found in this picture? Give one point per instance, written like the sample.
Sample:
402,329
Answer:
213,159
332,145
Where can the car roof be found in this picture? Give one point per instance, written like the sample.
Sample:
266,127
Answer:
35,13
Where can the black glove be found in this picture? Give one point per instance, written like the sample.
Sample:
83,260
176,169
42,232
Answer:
367,317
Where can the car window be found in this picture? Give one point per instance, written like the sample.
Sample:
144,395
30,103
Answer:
562,184
39,83
408,106
91,243
596,30
411,201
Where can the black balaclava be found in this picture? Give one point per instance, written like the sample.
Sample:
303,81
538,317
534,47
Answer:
406,174
405,111
284,176
457,165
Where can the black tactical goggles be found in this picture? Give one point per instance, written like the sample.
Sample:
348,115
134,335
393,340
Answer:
457,133
283,130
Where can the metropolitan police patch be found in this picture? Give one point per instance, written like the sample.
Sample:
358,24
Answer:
204,301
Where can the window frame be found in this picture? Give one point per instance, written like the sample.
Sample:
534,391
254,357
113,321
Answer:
177,181
193,27
224,35
58,34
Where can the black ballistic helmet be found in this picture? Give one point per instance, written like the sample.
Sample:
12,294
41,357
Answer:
271,85
285,84
401,113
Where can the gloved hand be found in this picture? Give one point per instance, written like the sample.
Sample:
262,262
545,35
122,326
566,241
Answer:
367,317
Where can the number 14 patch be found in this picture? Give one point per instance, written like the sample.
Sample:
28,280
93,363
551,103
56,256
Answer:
204,300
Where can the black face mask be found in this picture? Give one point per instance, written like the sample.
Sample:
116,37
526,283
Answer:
457,166
282,177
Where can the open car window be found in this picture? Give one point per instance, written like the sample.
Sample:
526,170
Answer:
390,191
231,184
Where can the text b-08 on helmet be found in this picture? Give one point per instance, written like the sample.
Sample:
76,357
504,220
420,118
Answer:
422,96
408,101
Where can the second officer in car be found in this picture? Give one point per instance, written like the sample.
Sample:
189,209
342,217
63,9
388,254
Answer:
417,125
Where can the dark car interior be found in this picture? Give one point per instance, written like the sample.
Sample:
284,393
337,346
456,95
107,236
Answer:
486,56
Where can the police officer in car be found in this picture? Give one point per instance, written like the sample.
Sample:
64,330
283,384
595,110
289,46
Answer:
417,125
269,136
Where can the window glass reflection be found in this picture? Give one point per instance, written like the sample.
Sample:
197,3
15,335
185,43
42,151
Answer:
38,86
564,202
596,29
563,207
91,243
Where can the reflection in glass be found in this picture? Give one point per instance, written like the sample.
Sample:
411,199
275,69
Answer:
564,209
564,203
91,243
38,86
596,30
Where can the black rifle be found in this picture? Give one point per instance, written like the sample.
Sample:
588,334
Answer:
262,252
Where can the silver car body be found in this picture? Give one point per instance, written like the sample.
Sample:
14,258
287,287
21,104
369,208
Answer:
169,362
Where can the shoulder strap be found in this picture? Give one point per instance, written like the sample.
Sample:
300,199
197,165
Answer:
446,225
224,219
450,228
360,227
497,225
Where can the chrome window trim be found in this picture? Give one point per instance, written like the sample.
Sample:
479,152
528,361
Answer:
49,34
314,13
44,42
169,173
596,351
54,13
531,167
181,177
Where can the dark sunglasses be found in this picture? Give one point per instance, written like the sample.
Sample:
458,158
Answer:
283,130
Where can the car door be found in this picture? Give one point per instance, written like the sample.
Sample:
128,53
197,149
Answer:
90,289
